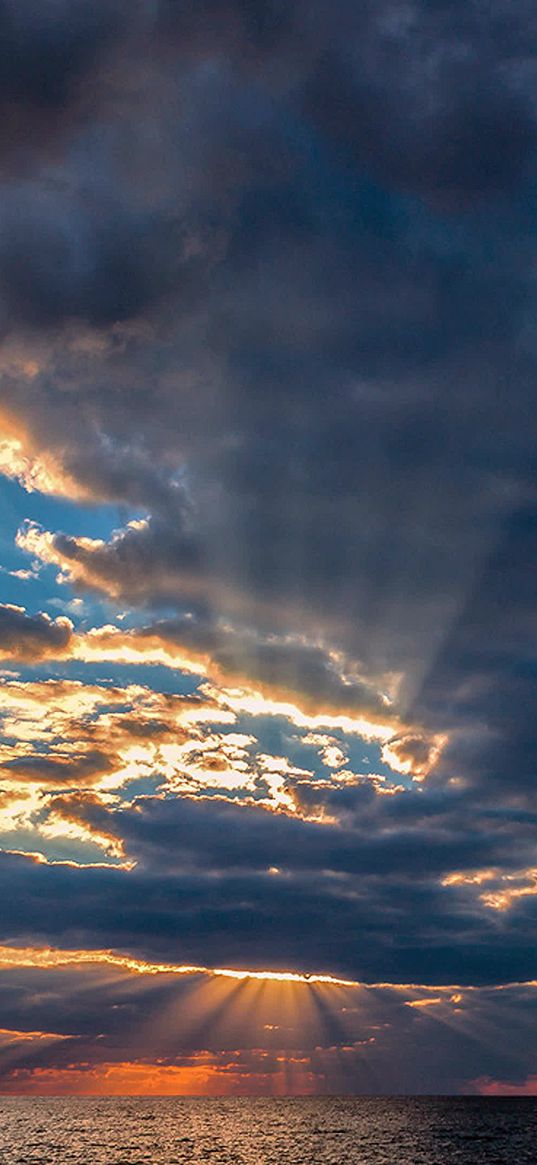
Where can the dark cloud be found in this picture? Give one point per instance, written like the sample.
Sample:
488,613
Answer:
31,638
447,126
247,31
48,59
45,51
66,768
365,901
81,255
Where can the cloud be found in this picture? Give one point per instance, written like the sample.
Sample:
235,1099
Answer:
137,564
498,890
31,638
62,733
453,123
274,670
275,667
83,256
487,1087
416,755
203,875
46,58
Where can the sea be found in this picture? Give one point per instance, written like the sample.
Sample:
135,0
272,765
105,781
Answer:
244,1131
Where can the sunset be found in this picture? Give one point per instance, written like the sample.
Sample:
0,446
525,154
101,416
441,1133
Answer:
268,498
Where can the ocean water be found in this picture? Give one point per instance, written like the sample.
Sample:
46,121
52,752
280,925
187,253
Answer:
325,1131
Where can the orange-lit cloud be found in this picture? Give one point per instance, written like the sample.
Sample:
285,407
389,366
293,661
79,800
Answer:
414,754
49,957
88,741
498,890
25,461
487,1087
208,1074
103,756
10,1036
254,703
62,730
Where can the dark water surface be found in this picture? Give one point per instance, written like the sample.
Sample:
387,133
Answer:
326,1131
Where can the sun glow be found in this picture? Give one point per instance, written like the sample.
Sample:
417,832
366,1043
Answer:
54,957
48,957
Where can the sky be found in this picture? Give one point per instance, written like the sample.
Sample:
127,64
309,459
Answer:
268,435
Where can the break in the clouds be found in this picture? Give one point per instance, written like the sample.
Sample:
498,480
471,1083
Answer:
267,599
